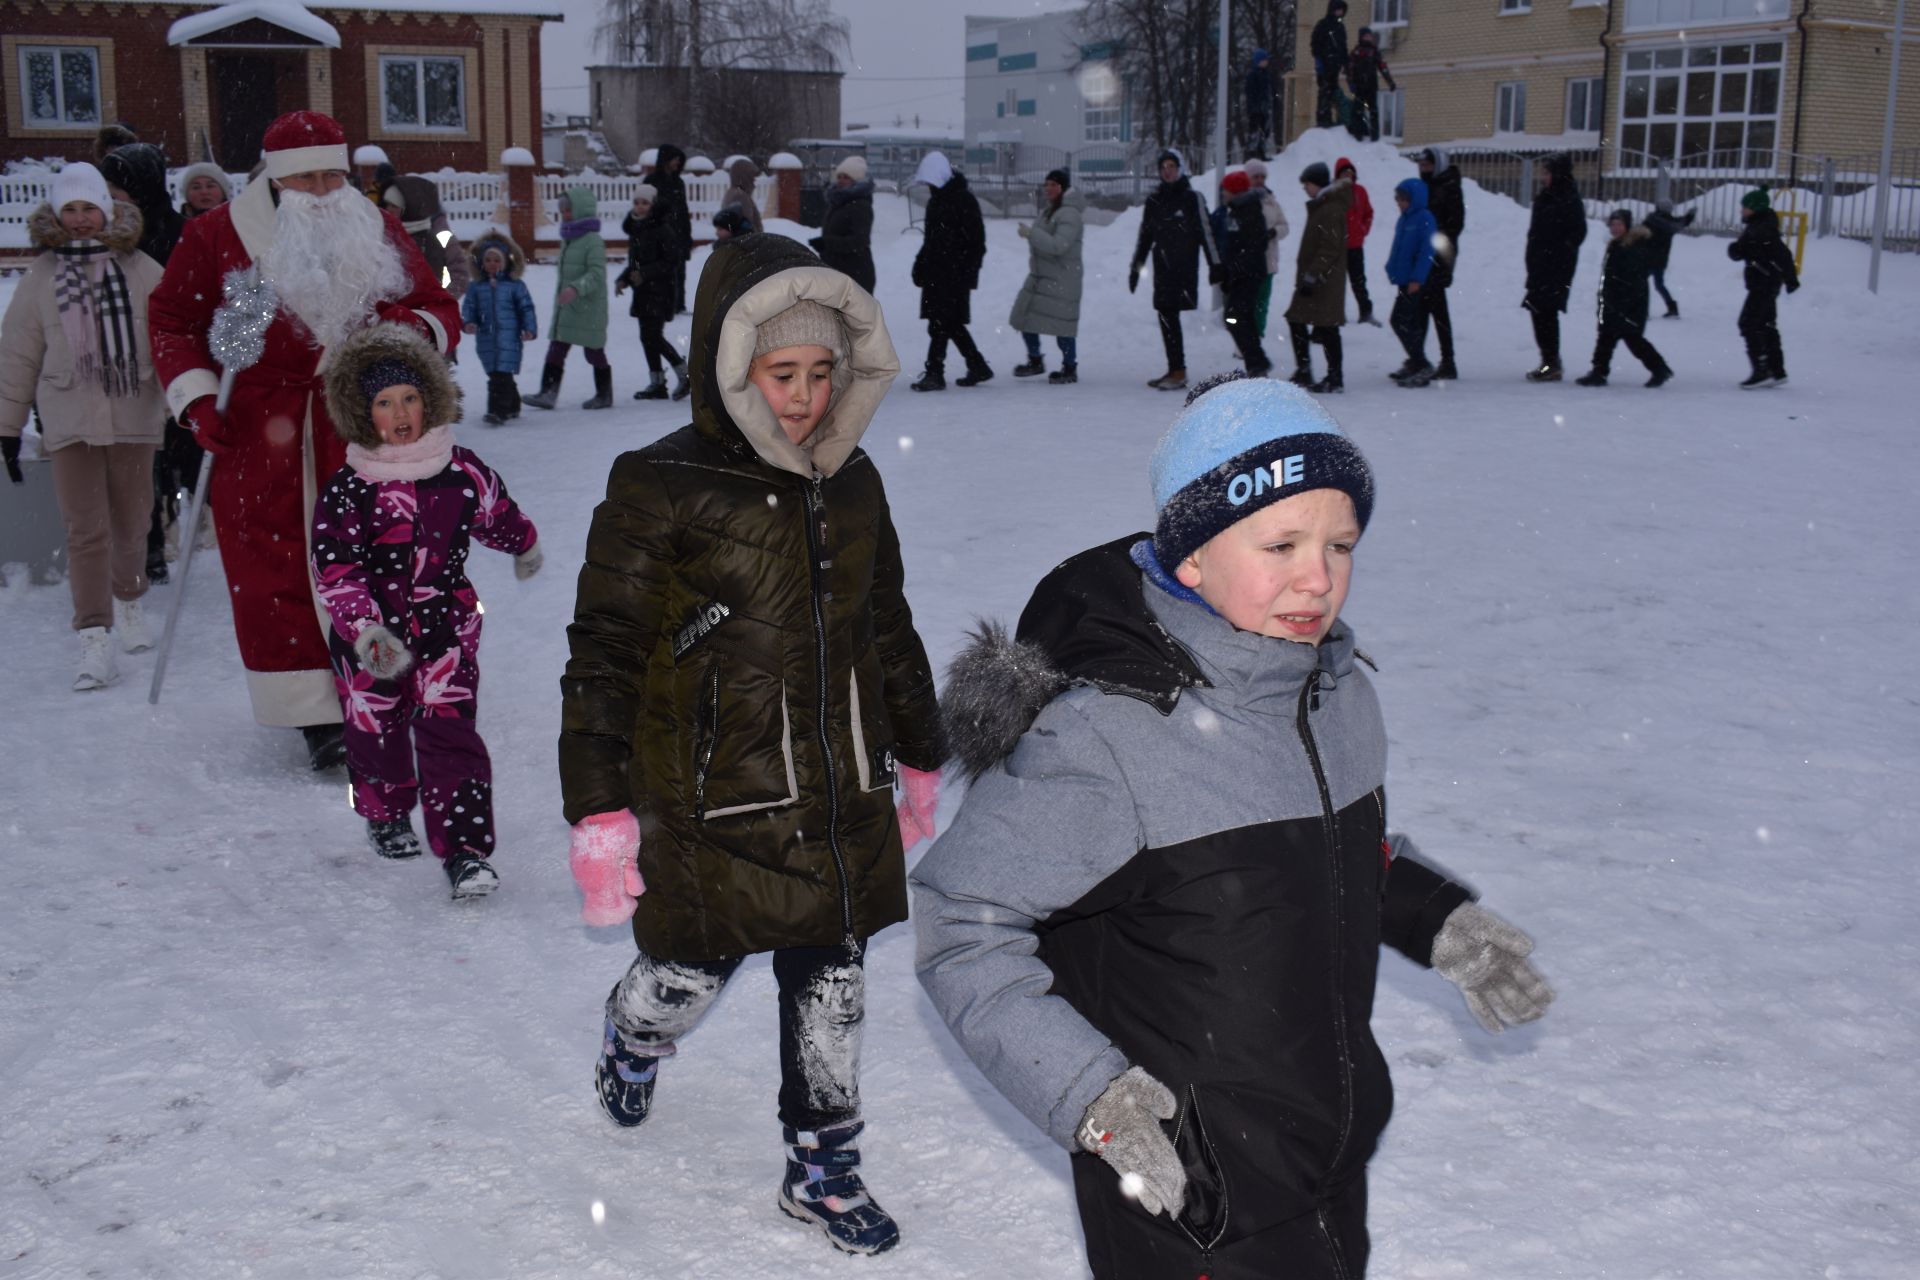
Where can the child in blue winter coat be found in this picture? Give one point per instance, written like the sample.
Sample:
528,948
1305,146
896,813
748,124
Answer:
498,311
1408,266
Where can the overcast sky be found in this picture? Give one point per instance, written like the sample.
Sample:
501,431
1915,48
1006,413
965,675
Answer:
909,56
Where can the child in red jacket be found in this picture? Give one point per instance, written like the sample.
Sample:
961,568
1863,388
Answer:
1359,222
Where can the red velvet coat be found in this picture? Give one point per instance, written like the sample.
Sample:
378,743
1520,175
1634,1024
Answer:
284,446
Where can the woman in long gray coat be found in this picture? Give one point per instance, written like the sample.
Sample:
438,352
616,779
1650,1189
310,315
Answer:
1049,301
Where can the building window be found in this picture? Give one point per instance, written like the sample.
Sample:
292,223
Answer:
59,86
1583,105
1028,107
1701,106
1516,6
1390,13
1019,61
1510,107
423,93
982,52
1643,15
1393,114
1102,124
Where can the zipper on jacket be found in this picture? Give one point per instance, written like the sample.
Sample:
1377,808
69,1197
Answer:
1333,1246
1330,830
817,563
709,727
1206,1247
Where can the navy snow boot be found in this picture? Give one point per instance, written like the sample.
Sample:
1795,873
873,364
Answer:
823,1189
624,1080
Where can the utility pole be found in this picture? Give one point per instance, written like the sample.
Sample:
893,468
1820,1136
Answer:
1884,189
1220,107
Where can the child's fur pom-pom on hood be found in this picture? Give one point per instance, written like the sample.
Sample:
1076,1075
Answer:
347,403
995,687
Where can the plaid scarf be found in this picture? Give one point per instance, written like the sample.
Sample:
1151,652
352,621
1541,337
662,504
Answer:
96,314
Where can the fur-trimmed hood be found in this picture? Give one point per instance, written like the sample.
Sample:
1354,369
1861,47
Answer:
495,238
347,406
122,234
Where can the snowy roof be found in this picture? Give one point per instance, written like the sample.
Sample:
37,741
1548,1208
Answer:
281,13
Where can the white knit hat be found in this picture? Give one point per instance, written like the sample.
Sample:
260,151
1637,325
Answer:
855,167
81,182
646,191
804,324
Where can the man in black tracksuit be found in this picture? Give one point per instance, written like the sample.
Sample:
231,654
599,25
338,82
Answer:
1554,237
1365,70
1769,269
1174,230
1328,44
1449,209
1623,302
1155,923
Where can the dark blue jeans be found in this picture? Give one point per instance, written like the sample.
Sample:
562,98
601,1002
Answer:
1069,347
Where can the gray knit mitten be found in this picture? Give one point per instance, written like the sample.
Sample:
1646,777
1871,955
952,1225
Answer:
381,653
1122,1127
1486,958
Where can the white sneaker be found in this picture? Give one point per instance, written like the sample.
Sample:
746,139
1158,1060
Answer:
97,669
130,622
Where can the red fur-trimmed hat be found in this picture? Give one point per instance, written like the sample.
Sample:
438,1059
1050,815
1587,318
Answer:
302,142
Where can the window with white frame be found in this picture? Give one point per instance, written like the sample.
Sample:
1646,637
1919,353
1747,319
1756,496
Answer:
1102,124
1702,106
1393,114
423,93
1390,13
59,86
1583,105
1643,15
1516,6
1510,107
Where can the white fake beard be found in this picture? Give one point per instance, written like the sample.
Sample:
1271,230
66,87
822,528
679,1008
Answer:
331,262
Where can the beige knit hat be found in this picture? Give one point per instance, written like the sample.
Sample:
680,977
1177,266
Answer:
804,324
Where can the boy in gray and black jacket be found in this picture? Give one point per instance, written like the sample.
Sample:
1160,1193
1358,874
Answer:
1156,922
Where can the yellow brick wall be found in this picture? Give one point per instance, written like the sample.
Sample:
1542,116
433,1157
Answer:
1847,87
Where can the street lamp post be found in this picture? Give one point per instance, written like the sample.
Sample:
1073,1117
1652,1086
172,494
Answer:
1885,187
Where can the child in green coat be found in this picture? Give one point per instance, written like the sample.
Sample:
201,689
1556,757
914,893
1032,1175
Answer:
579,302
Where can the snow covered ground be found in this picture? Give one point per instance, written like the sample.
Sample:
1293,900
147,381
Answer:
1647,665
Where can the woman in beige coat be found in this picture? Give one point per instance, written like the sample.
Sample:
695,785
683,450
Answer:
74,345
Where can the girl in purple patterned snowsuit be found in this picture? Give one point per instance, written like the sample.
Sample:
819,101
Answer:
390,537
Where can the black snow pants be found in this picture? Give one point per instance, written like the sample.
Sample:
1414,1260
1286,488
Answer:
1326,109
1546,335
1442,319
654,345
1123,1243
823,1003
1760,326
1243,322
1357,277
1173,340
939,333
1327,336
1409,321
1636,340
503,396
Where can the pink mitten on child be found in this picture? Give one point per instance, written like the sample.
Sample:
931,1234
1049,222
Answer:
603,857
919,797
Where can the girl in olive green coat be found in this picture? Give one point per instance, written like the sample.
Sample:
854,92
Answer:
579,302
744,688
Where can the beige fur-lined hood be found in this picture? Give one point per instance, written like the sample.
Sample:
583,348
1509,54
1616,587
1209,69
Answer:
122,234
495,238
347,405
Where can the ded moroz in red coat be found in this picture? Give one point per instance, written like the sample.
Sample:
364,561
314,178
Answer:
285,446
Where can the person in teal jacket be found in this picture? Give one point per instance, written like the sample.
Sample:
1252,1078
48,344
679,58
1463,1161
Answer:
498,311
579,302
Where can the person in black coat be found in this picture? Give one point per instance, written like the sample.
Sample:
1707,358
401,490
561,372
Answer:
1365,70
1259,88
1769,269
1554,237
1623,302
1449,209
653,262
671,188
1663,225
1245,266
1328,44
947,271
845,242
1174,229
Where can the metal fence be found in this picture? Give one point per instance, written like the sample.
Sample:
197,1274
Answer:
1006,177
1837,193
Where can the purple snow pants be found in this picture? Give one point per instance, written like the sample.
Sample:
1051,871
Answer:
414,739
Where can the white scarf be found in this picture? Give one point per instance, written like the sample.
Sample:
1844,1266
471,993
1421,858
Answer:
425,457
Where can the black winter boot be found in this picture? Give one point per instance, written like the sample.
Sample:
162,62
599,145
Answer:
326,748
549,387
1661,376
393,839
975,375
1544,373
470,875
602,390
1593,378
932,380
1031,367
682,384
655,390
624,1080
823,1189
1068,374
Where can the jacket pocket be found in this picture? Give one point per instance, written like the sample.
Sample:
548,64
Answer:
742,742
872,735
1208,1206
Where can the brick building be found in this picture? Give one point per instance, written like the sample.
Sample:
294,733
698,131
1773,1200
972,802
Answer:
1723,85
433,84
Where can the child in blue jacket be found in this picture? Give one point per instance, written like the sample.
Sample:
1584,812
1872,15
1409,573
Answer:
1408,266
498,311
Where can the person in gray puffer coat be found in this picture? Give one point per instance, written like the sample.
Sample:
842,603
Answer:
1164,896
1049,301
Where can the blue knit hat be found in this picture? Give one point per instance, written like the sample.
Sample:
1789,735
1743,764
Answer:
1240,445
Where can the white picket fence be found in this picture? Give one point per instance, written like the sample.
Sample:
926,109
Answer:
473,201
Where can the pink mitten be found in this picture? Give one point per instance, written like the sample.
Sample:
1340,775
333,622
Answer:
603,853
919,797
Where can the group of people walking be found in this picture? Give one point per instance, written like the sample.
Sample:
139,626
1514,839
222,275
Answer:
1362,65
